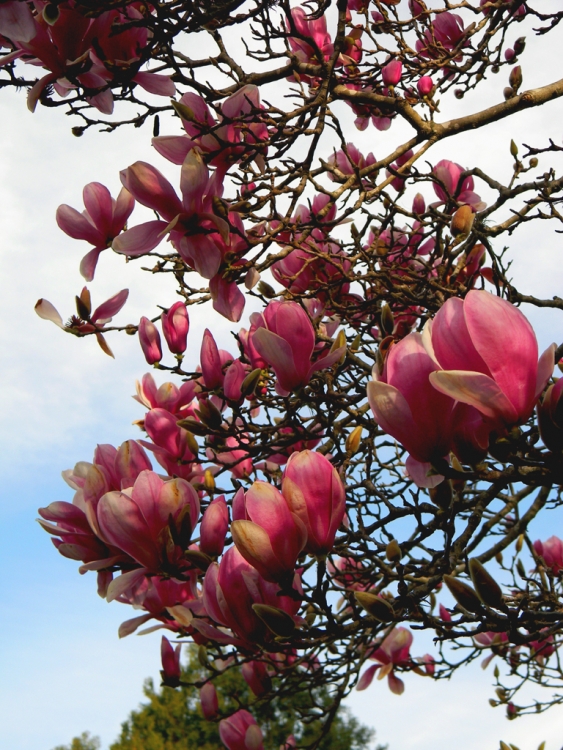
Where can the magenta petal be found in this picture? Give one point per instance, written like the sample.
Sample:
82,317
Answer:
420,473
278,353
89,262
227,298
122,210
175,148
141,239
17,22
47,311
193,181
451,341
147,185
110,307
477,390
77,226
393,414
367,678
155,84
506,341
202,252
103,102
99,205
546,364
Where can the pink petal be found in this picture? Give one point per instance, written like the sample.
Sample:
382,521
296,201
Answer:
152,189
421,474
175,148
155,84
506,341
367,678
105,312
17,22
477,390
278,353
103,102
193,181
546,364
77,226
122,210
99,205
227,298
89,262
141,239
393,414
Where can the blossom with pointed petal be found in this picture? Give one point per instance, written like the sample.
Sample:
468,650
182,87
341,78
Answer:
149,338
551,552
241,732
315,494
214,527
170,663
175,327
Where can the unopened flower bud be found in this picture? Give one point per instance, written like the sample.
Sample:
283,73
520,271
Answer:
441,495
459,93
209,481
425,85
533,162
515,78
375,606
149,338
462,221
463,594
387,319
393,552
513,148
392,72
208,700
519,45
508,93
209,414
266,289
486,587
418,204
278,621
248,385
354,440
175,327
509,55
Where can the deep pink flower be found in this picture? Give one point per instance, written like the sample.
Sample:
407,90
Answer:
170,663
175,327
425,85
152,522
208,700
393,652
551,552
488,353
315,494
461,191
214,526
232,587
101,221
241,732
285,338
392,72
149,338
269,536
446,33
315,30
177,401
257,677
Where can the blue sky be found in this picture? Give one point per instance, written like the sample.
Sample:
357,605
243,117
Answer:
63,668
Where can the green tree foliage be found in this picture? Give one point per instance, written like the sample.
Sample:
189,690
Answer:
84,742
172,719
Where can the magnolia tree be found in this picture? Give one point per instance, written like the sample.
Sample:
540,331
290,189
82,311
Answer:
366,459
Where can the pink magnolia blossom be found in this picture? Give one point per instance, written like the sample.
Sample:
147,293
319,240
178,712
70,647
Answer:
487,354
175,327
269,535
393,652
232,587
551,552
176,400
213,362
425,85
497,642
101,221
285,338
315,494
319,47
152,522
149,338
460,190
237,133
237,459
170,663
406,406
446,33
241,732
96,320
349,161
214,526
171,442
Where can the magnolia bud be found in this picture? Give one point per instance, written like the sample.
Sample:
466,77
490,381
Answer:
208,481
425,85
533,162
462,221
375,606
175,327
488,590
509,55
441,495
515,78
208,700
508,93
513,148
392,72
209,414
192,425
418,204
463,594
278,621
266,289
149,339
387,319
185,112
519,45
393,551
353,440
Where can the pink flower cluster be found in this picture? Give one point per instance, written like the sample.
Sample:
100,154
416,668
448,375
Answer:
79,52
